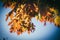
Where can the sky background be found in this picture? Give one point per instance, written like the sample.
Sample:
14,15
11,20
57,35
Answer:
48,32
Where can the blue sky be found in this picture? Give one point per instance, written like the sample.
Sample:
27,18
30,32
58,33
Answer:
50,31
